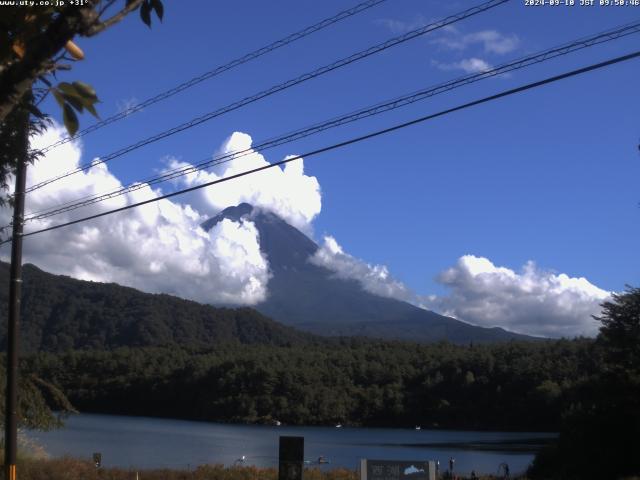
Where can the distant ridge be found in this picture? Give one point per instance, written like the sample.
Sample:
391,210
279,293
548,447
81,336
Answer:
60,313
312,298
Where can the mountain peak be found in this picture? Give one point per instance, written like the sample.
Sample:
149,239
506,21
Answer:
314,298
285,246
234,213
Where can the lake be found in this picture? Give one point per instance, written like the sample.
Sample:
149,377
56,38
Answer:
141,442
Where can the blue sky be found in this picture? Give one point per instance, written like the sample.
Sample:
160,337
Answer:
549,176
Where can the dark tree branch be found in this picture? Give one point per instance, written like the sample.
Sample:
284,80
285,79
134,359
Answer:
100,26
16,78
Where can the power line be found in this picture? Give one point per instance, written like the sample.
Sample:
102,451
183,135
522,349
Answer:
282,86
539,57
345,143
361,7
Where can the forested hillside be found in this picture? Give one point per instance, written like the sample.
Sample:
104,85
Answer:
113,349
355,382
60,313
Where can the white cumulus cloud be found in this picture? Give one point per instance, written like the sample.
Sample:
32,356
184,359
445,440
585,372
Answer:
533,301
375,279
287,191
468,65
491,41
482,43
158,247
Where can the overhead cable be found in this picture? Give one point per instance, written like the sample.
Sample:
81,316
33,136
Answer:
345,143
280,87
539,57
361,7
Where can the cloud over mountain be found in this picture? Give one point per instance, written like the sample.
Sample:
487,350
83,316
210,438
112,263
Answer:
533,301
287,191
158,247
374,279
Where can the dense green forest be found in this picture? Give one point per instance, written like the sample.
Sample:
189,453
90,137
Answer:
600,427
353,381
111,349
61,313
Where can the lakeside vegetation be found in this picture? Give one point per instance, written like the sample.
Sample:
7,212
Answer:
75,469
600,429
260,372
513,386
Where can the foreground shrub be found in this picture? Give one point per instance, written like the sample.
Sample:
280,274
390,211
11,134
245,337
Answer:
67,468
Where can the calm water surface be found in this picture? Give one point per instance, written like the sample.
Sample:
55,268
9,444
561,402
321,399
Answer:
140,442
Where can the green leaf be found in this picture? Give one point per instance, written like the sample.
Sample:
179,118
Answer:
158,7
74,101
58,96
70,119
145,13
92,110
69,89
85,90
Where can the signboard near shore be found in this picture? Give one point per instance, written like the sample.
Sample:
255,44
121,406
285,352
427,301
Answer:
397,470
291,457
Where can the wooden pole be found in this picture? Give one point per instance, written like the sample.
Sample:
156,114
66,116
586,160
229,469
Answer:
15,290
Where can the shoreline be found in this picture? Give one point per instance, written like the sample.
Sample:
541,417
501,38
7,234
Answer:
345,425
148,442
527,445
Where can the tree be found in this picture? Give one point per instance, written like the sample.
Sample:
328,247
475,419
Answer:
35,39
36,42
620,331
600,434
11,141
41,405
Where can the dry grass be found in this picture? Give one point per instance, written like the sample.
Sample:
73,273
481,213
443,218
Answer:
73,469
68,468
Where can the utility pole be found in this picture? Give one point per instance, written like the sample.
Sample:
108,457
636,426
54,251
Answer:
15,289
